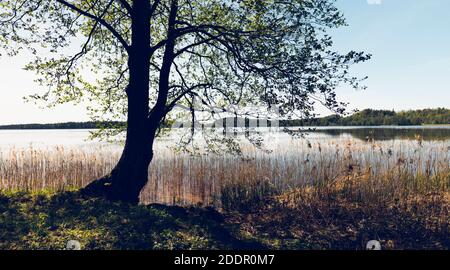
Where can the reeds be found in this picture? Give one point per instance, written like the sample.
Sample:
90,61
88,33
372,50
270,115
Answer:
368,170
59,168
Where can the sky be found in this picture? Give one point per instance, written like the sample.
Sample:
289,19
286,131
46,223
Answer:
410,67
410,44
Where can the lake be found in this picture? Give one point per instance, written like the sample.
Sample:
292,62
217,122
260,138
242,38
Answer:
79,137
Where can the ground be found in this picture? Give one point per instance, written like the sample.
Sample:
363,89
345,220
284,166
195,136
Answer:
48,221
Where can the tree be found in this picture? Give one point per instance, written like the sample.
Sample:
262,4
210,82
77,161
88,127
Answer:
147,57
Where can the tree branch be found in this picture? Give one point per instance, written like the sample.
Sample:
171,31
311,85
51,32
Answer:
97,19
159,108
126,5
154,6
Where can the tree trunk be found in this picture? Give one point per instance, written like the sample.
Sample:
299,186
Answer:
130,175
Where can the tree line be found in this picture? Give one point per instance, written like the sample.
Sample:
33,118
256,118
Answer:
368,117
67,125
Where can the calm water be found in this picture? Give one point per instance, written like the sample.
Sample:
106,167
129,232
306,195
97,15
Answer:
45,137
76,137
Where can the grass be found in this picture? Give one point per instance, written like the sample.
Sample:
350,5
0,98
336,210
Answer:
332,218
48,221
304,195
300,219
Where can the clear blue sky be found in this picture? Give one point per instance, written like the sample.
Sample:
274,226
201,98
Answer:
410,69
410,43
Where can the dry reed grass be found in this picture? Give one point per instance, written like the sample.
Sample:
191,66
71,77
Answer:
371,170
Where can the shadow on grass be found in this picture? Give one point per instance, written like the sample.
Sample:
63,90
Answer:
49,221
338,223
299,219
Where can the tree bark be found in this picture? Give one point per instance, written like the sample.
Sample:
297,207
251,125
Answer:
130,175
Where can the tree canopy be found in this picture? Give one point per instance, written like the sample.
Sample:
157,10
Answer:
227,55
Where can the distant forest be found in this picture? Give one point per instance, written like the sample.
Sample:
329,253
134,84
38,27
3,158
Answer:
368,117
67,125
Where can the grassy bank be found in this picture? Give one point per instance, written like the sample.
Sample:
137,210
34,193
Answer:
299,219
49,221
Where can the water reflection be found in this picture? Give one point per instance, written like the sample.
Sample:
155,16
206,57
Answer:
390,133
